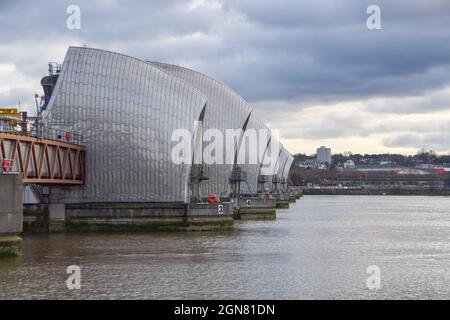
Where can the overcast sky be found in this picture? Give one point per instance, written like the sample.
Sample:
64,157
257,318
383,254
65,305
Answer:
311,69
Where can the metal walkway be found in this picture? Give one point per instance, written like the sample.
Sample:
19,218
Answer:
42,161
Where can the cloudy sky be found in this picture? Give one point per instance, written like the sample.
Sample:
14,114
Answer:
311,69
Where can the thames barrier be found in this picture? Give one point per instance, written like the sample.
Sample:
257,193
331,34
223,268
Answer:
102,155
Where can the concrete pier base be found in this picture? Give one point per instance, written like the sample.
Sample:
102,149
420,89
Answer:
282,200
35,218
209,217
282,204
11,214
56,218
256,208
295,194
256,214
144,217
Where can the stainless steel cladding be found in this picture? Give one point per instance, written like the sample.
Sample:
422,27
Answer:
126,110
282,161
225,109
254,151
287,167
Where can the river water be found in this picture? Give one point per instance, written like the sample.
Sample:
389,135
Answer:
319,248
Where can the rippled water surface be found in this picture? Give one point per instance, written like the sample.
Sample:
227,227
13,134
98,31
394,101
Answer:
319,248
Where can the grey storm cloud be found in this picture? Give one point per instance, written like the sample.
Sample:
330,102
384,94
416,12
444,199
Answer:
276,50
282,56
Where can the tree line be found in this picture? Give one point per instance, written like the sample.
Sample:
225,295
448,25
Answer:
421,157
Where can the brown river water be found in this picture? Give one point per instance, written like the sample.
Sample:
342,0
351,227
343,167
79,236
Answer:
320,248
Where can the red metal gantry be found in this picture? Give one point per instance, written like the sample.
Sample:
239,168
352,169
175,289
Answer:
43,161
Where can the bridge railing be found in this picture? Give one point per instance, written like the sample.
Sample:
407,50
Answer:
57,134
45,132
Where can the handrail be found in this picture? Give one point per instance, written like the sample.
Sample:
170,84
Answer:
67,136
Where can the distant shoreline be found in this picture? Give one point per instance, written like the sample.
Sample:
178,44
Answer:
376,192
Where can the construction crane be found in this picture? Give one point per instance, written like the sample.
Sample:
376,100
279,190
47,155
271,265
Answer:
13,112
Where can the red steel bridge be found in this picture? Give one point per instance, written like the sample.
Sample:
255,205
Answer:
41,160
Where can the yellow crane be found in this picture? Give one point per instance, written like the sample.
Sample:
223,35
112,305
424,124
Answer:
10,116
10,111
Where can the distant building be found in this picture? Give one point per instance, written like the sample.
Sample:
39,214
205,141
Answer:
323,155
349,164
307,164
